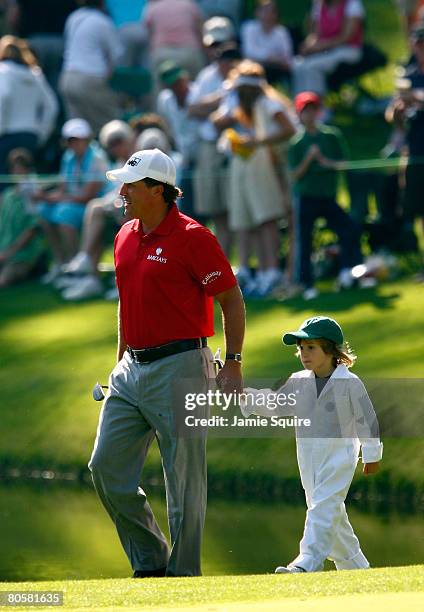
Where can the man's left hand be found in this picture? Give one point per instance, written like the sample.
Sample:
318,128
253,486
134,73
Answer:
230,378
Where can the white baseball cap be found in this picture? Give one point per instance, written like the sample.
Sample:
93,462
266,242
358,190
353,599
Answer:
76,128
150,163
217,30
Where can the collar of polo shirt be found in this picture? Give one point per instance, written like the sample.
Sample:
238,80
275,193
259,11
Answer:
164,227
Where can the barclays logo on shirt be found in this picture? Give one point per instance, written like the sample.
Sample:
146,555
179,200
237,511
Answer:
157,257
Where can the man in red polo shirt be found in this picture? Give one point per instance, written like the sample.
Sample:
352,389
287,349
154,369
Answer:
168,270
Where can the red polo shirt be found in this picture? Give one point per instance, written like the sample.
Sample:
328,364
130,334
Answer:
167,279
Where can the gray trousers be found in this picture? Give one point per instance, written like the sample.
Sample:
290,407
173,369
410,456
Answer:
138,407
88,97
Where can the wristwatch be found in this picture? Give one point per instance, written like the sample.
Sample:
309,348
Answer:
233,357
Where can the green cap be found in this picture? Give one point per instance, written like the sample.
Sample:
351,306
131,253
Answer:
170,72
314,328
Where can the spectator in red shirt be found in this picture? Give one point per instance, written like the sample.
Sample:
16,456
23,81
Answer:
168,269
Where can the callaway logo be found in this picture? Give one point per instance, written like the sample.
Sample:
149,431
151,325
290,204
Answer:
209,278
134,161
157,256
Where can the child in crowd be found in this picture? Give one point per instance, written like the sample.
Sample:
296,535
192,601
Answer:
21,245
341,420
315,157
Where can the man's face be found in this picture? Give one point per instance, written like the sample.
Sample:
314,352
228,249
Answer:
267,15
180,87
77,145
138,198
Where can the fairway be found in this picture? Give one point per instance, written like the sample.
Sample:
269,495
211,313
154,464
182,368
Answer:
388,589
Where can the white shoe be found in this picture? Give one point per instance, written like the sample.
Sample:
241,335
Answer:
66,280
51,275
268,280
310,294
87,287
289,569
80,264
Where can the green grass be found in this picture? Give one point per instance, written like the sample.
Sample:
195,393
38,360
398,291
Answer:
53,353
385,589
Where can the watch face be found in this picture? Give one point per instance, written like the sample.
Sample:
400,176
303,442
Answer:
233,356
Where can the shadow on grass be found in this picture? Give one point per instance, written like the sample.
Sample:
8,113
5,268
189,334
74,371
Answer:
330,302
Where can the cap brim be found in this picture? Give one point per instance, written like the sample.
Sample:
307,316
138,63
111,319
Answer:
123,175
293,337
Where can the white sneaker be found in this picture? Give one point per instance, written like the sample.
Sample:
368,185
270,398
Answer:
66,280
51,275
87,287
310,294
268,280
80,264
289,569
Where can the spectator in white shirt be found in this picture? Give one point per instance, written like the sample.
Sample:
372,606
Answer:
92,50
28,106
266,41
172,106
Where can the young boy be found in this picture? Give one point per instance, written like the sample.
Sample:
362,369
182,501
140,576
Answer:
315,156
341,420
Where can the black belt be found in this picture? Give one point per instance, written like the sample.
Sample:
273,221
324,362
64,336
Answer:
166,350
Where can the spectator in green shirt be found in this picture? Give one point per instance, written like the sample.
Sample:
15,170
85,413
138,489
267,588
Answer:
315,157
20,243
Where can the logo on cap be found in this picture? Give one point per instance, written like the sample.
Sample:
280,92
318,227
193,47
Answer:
134,161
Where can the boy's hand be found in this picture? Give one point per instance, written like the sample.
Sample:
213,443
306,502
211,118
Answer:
371,468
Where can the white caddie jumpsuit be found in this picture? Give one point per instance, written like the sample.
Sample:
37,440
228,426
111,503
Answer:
342,421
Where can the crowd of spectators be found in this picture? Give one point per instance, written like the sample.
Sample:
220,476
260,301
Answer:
237,103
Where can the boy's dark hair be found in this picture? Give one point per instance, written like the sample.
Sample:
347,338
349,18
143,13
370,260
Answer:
20,156
170,193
